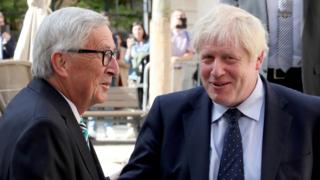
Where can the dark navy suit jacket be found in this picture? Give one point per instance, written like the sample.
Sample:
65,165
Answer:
310,47
41,139
174,142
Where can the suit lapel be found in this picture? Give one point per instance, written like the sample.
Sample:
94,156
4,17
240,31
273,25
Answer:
82,145
197,135
96,160
56,99
276,128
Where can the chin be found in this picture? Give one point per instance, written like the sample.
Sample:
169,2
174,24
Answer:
100,99
224,101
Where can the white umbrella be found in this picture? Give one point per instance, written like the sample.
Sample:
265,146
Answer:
37,11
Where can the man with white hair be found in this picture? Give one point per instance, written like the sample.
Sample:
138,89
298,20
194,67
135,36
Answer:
42,134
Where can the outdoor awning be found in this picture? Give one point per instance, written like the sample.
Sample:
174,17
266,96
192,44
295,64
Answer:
37,11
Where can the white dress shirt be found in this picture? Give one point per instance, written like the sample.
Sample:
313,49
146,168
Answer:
73,108
251,128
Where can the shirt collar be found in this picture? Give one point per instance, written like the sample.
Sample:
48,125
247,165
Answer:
73,108
251,107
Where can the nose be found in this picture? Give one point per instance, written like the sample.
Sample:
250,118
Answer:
217,68
113,66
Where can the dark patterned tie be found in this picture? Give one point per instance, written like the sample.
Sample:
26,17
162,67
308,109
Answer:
231,164
84,130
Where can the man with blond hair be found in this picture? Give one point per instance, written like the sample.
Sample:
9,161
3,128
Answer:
237,125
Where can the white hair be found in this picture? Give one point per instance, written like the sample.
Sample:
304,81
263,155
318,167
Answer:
64,29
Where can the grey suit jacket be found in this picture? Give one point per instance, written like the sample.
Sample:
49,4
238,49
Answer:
41,139
174,142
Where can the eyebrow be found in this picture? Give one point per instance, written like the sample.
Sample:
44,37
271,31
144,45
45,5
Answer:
105,48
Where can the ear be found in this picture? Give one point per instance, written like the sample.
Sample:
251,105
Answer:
58,63
260,60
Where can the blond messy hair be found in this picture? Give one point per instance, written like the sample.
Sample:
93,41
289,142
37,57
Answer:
227,25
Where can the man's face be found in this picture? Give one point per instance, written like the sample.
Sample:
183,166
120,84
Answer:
88,80
227,73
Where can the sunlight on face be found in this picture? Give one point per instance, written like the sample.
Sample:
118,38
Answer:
227,73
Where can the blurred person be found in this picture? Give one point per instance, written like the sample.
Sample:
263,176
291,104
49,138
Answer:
42,135
138,47
137,55
284,22
237,125
180,47
7,42
122,78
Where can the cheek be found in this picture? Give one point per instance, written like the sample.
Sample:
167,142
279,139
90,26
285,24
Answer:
96,78
90,76
205,71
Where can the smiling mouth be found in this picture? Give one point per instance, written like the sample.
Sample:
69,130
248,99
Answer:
219,84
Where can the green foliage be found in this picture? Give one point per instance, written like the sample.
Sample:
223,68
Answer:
123,19
97,5
121,15
14,11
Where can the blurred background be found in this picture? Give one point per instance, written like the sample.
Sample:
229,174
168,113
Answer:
121,13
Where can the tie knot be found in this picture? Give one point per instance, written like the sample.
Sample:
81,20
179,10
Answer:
84,130
82,123
232,115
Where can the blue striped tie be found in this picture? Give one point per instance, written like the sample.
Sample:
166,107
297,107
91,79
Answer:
84,130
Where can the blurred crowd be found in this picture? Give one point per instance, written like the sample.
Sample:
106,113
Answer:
7,41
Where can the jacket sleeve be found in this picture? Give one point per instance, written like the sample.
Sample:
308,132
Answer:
144,162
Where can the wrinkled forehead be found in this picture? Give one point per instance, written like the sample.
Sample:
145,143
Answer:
100,38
